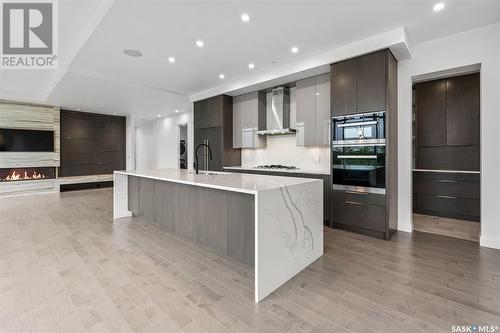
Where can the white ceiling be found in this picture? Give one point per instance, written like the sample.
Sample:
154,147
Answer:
99,77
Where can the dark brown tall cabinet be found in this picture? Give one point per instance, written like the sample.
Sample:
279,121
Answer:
91,144
447,160
213,124
359,85
368,84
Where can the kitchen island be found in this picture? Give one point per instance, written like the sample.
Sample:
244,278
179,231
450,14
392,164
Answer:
273,224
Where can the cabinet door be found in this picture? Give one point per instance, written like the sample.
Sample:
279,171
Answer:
208,112
371,82
462,110
323,110
163,204
306,112
133,195
237,122
211,221
199,137
213,136
344,87
184,211
146,198
431,113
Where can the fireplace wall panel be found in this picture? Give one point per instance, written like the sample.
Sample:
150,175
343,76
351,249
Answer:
91,144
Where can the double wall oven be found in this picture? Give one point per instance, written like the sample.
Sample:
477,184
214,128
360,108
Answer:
358,152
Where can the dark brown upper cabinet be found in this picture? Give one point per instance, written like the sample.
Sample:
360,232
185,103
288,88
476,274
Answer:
371,82
462,111
344,87
209,112
448,112
431,113
213,124
359,85
448,123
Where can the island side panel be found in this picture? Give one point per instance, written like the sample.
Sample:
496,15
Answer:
120,196
289,234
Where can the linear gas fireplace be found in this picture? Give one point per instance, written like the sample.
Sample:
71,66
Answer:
23,174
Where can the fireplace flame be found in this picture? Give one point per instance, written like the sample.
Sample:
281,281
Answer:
17,176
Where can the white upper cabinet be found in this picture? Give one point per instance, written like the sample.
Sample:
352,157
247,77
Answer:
249,114
313,111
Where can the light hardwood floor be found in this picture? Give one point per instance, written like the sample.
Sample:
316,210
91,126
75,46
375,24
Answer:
447,227
65,266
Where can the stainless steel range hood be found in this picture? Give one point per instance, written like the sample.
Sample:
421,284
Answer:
278,113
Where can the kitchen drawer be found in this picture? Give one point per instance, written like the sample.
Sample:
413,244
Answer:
359,197
452,207
447,187
356,214
461,177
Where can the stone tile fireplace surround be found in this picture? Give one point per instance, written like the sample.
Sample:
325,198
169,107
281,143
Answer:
30,170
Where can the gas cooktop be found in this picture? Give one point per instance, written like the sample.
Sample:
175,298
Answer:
277,166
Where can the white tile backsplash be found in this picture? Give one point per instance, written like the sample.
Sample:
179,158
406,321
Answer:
281,149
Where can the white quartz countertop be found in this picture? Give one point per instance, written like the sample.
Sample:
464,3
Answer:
235,182
314,172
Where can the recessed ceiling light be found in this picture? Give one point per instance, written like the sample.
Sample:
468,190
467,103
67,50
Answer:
199,43
221,76
294,49
251,65
176,111
78,109
133,53
171,59
159,115
439,6
245,17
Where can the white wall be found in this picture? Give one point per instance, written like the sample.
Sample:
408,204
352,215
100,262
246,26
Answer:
281,149
157,142
477,46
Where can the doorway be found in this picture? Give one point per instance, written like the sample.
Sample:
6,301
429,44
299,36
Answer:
446,156
183,144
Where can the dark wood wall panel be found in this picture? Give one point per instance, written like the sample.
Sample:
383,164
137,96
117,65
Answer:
91,143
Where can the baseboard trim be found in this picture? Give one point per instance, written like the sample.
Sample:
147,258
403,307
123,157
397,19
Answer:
491,243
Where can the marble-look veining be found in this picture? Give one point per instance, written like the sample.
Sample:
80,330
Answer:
289,233
288,218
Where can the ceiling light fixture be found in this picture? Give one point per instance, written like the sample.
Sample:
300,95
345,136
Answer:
159,115
245,17
221,76
171,59
438,7
133,53
176,111
251,65
200,43
294,49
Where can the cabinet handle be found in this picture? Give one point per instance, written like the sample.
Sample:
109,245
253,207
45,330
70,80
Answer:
446,181
446,197
356,193
355,203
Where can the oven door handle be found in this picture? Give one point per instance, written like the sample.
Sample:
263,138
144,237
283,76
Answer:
367,157
359,123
